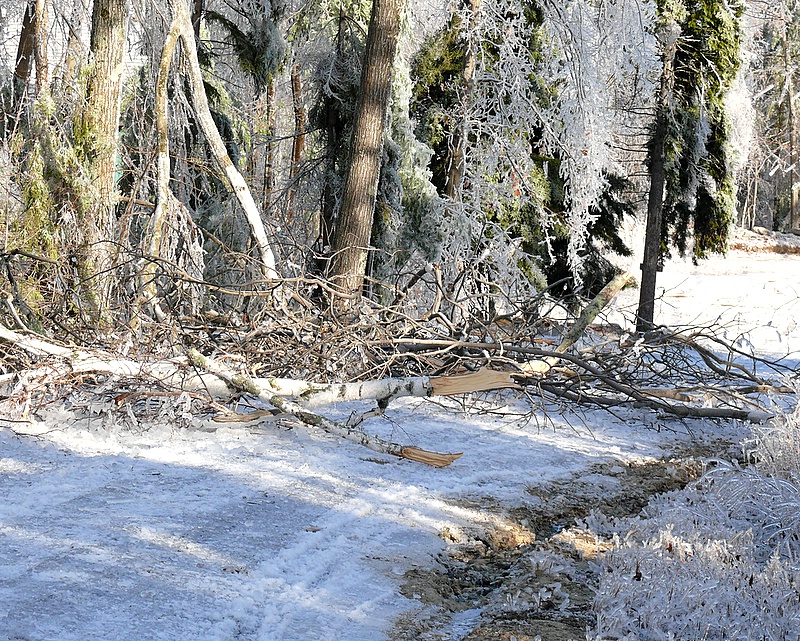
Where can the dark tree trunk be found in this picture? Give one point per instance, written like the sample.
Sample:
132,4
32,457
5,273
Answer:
333,139
25,53
352,237
655,197
269,161
198,7
652,242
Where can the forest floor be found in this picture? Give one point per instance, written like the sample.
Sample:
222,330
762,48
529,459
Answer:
176,528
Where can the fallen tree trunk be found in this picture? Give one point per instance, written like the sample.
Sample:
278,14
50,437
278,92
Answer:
369,441
384,390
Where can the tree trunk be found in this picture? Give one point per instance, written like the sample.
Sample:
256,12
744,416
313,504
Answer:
269,161
655,197
180,17
299,137
198,7
24,60
99,126
333,138
40,50
457,165
652,241
31,51
353,228
147,275
794,206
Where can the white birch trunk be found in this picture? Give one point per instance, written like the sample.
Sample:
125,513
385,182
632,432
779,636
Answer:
181,19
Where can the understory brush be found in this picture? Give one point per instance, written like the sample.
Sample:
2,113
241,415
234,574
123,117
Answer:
718,560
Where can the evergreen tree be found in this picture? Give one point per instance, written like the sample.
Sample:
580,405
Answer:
535,211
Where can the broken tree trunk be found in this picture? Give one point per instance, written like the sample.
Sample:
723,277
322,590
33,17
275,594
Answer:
540,367
386,389
369,441
591,311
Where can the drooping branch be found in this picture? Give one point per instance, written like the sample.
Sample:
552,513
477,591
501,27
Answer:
182,22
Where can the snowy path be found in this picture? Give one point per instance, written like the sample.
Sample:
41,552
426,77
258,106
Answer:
281,535
755,296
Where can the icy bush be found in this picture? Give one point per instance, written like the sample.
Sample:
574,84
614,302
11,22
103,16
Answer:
570,87
719,560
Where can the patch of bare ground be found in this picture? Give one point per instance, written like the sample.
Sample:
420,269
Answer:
533,574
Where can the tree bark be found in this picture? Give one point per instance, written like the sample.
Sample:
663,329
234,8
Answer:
25,54
269,161
99,127
198,7
333,138
40,48
31,50
652,241
164,205
299,144
655,197
794,206
352,237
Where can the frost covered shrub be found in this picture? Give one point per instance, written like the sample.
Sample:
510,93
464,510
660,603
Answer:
719,560
776,447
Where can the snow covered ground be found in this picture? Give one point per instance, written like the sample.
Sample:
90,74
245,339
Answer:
171,531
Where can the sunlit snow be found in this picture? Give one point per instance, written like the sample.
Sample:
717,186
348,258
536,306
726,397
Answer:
267,533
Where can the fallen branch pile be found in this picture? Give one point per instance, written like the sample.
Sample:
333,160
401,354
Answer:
688,374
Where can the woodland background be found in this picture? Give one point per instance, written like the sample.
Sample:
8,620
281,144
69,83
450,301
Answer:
206,206
290,157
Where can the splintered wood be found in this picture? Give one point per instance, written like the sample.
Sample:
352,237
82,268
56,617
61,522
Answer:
434,459
483,380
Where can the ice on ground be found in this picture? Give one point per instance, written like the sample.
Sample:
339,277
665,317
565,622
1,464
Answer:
271,534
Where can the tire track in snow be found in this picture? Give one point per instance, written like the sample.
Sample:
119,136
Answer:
325,585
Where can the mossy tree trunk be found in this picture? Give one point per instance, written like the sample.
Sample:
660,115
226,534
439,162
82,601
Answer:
351,241
97,129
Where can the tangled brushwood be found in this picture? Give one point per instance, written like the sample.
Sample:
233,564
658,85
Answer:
294,352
